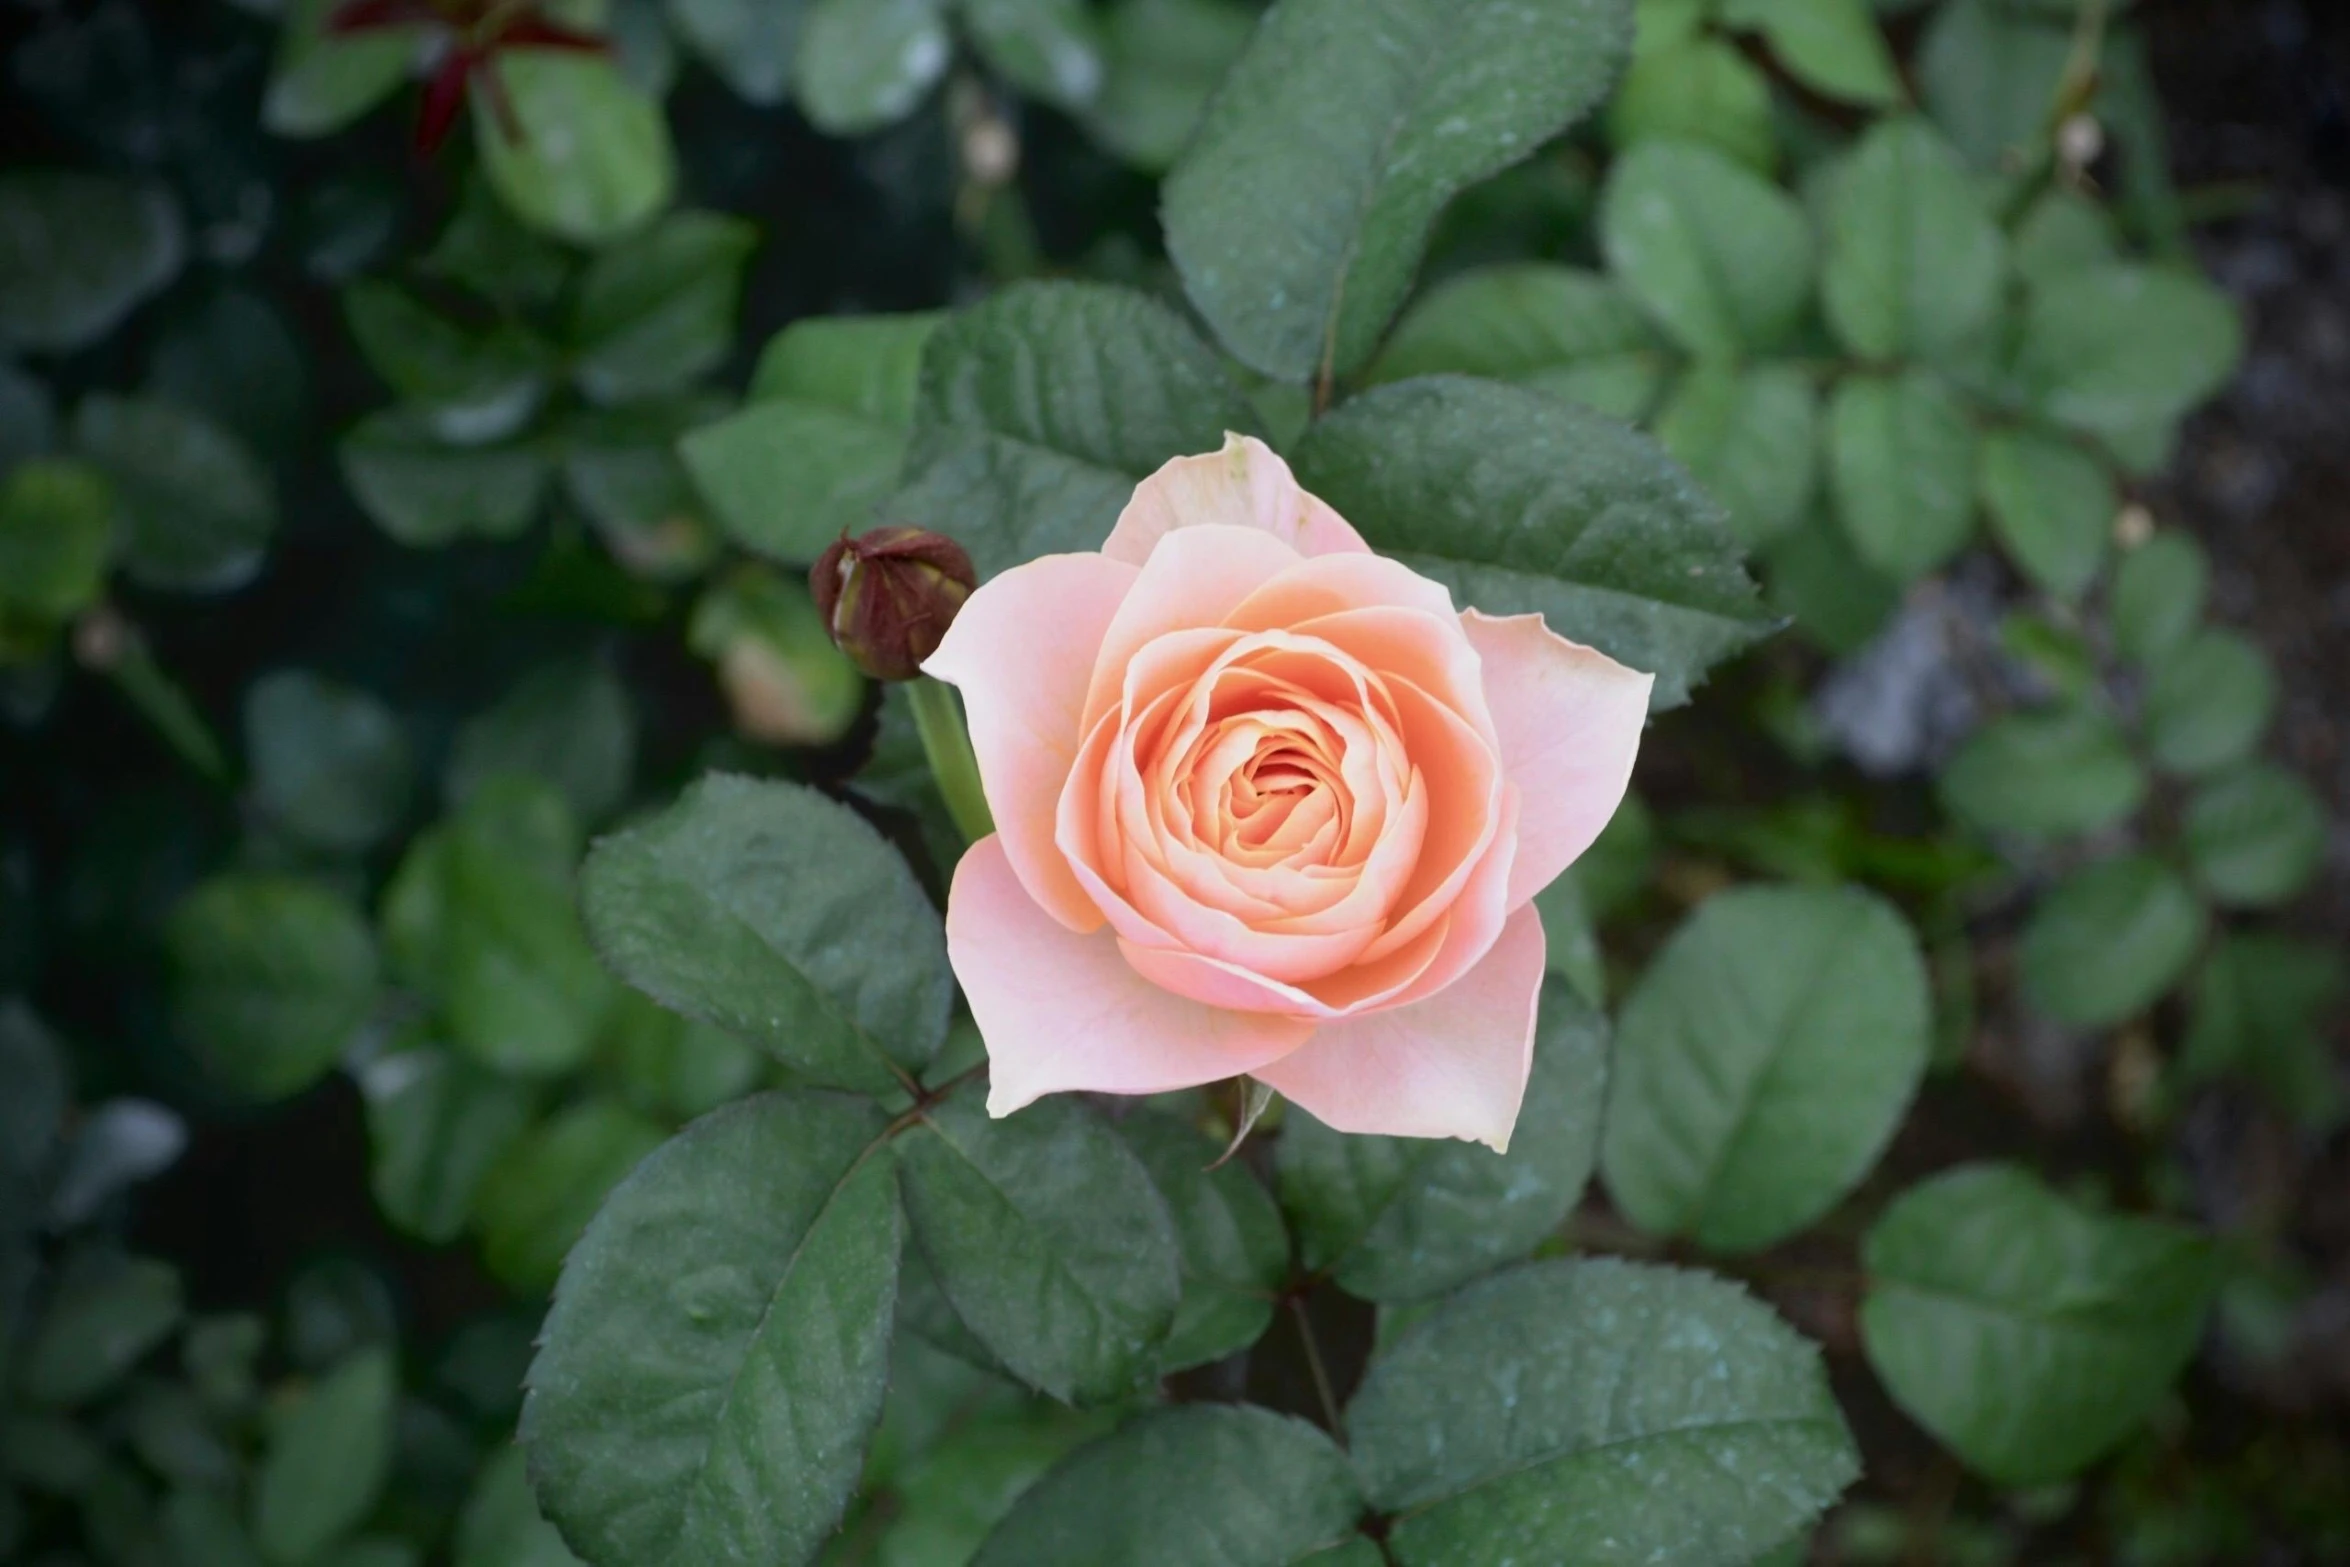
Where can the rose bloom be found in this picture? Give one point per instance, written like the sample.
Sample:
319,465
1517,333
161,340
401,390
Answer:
1269,804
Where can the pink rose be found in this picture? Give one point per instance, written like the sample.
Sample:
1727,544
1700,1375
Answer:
1268,804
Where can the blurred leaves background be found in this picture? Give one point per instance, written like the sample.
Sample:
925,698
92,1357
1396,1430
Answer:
378,530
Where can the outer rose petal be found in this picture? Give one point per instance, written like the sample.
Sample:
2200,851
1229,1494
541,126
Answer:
1569,719
1246,485
1022,651
1454,1065
1063,1012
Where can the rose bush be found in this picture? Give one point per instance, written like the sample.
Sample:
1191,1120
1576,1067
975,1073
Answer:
1269,804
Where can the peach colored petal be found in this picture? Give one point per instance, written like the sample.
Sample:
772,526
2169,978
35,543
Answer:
1247,485
1061,1012
1431,651
1022,651
1453,1065
1470,927
1328,584
1464,785
1569,718
1192,580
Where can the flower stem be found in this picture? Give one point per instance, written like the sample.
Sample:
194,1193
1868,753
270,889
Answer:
938,718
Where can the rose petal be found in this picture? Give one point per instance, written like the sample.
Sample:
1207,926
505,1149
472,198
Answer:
1062,1012
1332,584
1022,652
1453,1065
1569,719
1192,580
1246,485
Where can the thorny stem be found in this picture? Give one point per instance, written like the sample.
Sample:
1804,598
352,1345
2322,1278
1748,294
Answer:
1319,1371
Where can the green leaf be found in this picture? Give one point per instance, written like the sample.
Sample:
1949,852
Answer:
1752,438
1571,937
2109,941
593,160
621,469
1049,1240
322,81
1831,46
436,1125
1901,463
1816,576
2255,837
28,416
2109,351
2262,1005
719,1344
78,253
2065,231
1230,1484
779,915
1042,408
1700,92
486,249
943,1506
105,1314
328,1457
330,764
670,1065
469,386
822,438
195,508
786,680
1720,256
2029,1334
538,1198
1559,329
271,977
1235,1252
32,1115
56,536
751,44
2051,504
232,353
501,1526
1397,1219
172,1433
1524,503
1652,1415
656,311
199,1524
1165,60
1049,49
480,917
567,724
426,492
2157,598
862,65
1764,1061
2061,773
1357,124
1913,261
2208,703
1989,75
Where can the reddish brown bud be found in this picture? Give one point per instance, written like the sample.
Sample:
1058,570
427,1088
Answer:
888,596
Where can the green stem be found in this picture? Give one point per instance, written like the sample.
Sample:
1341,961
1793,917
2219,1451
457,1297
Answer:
938,718
159,698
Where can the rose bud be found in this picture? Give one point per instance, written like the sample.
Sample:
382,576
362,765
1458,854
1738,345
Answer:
888,596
